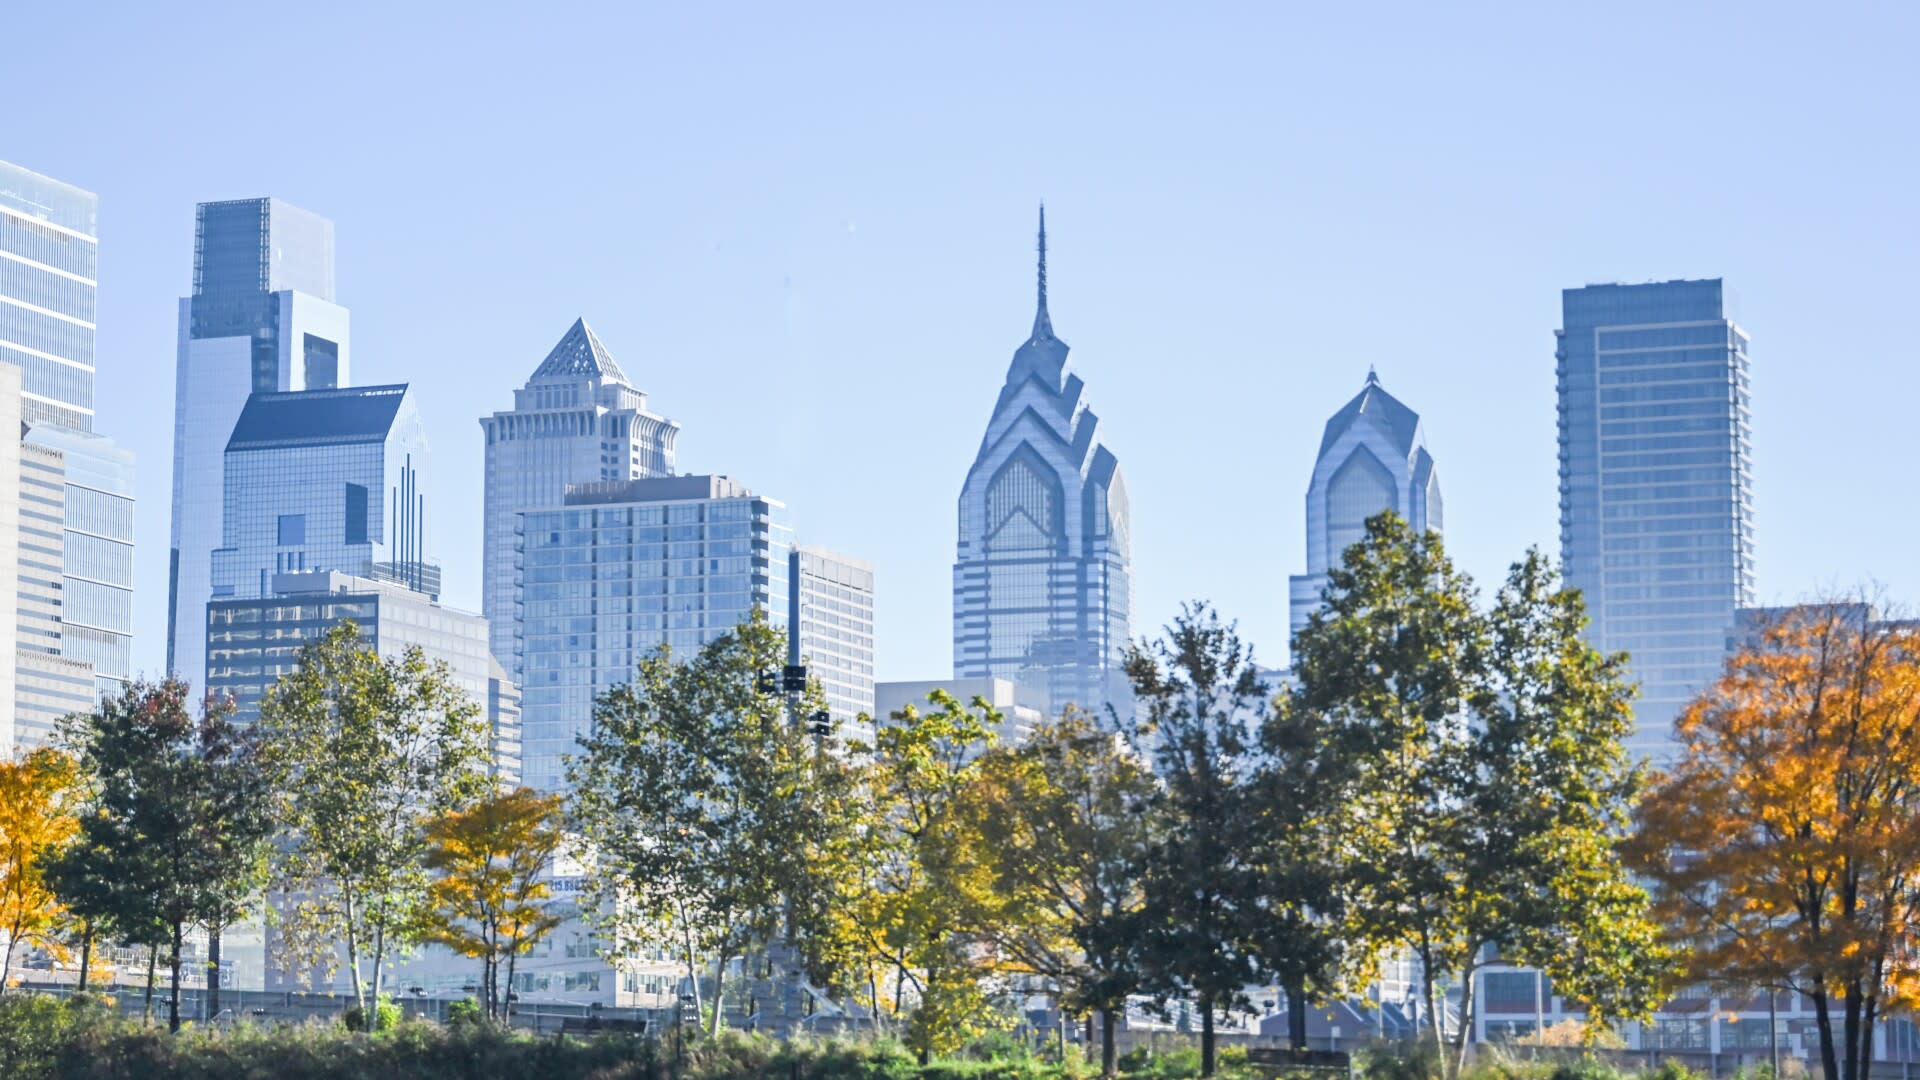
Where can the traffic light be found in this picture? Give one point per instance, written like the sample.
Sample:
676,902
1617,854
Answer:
767,683
793,678
820,723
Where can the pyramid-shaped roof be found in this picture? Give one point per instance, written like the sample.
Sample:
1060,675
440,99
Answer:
579,356
1374,405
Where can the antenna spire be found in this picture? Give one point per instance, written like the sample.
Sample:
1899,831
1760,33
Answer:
1042,323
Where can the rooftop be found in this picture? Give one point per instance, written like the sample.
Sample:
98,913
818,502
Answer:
357,414
656,489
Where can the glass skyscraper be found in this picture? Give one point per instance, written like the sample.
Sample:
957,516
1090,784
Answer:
262,318
1656,482
70,536
578,420
49,248
621,568
1042,585
1373,457
325,480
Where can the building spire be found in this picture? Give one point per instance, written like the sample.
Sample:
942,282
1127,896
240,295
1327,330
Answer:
1042,324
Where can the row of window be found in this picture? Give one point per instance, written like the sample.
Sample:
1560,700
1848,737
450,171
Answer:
34,241
46,333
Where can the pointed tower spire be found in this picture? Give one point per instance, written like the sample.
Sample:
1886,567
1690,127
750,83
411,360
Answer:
1042,324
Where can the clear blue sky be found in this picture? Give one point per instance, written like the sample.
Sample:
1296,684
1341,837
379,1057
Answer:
806,231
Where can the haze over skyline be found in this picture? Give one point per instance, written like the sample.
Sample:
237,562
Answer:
812,246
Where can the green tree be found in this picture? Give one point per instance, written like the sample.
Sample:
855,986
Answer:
488,898
1199,699
360,748
1487,789
701,803
1065,822
175,829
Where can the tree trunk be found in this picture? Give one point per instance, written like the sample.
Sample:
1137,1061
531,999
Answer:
86,952
1465,1034
1823,1018
379,957
1433,1012
1206,1035
719,993
153,954
213,971
6,966
506,996
1297,1015
1109,1060
353,956
173,989
693,966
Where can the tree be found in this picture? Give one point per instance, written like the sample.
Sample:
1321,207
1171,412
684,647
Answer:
1065,822
1486,787
1199,697
359,748
36,819
177,821
1784,838
702,803
488,899
923,877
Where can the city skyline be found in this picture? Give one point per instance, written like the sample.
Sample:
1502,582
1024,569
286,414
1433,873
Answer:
796,341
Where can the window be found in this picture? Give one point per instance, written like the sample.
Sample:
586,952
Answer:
356,514
323,363
293,530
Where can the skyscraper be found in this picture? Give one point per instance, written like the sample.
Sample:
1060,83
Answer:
48,251
325,480
261,319
830,629
577,421
72,536
1656,503
1042,589
1373,457
619,568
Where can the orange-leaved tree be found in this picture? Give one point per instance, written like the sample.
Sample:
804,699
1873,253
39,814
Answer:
1785,838
488,898
36,819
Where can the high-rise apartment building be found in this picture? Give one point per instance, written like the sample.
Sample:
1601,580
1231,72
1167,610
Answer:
262,319
1042,580
1656,481
96,580
621,568
325,480
251,643
1373,457
830,630
578,420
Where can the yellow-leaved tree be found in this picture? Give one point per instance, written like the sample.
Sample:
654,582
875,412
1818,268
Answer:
1786,837
488,898
36,819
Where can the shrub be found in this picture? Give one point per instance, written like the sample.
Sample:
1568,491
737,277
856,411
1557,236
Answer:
386,1016
464,1013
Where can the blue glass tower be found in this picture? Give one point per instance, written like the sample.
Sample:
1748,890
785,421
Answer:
1656,482
1042,581
1373,457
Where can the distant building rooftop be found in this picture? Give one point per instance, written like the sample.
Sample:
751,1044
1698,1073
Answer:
358,414
656,489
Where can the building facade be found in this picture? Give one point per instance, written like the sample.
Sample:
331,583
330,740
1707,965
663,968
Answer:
252,642
1021,708
1373,457
96,581
262,318
578,420
830,630
325,480
1042,580
1656,483
620,569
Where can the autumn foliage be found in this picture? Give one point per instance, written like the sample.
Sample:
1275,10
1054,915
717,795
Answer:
1786,837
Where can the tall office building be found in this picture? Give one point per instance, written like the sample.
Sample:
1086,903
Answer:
49,248
251,643
71,618
262,319
577,421
1656,481
325,480
830,629
1373,457
620,568
1042,589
